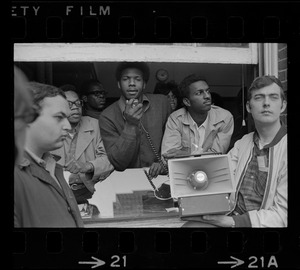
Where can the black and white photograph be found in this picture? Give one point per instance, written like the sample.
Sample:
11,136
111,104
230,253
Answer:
152,135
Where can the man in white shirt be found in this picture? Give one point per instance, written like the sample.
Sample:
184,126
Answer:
199,126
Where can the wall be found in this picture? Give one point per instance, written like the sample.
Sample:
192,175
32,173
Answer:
224,79
282,64
282,72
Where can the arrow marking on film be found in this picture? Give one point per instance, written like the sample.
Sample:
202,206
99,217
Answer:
236,263
96,263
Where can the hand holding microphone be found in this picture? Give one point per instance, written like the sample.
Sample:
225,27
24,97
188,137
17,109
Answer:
133,111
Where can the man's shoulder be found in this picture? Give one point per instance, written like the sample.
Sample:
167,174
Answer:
182,112
220,112
247,138
160,104
157,98
110,110
89,123
218,109
89,119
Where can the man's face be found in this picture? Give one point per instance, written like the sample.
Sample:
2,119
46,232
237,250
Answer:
75,107
266,104
49,130
96,98
132,83
199,99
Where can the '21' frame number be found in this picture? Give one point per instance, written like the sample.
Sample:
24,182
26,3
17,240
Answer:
118,261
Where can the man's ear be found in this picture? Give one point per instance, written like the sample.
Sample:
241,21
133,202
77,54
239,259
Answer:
283,107
248,107
186,102
144,86
119,85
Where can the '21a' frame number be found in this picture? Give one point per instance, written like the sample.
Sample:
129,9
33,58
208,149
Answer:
261,263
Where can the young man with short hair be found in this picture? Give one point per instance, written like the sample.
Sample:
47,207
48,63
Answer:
42,197
132,128
199,126
259,162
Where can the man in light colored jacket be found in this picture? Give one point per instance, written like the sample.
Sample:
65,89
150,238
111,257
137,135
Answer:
199,126
259,162
83,153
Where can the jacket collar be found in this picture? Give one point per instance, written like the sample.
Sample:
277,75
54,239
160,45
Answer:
38,171
212,119
279,135
84,136
30,157
191,121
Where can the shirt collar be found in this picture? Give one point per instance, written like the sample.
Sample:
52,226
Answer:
37,159
193,123
47,160
76,129
42,162
281,133
210,118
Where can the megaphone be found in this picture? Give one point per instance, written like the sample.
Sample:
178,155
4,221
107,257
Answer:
201,184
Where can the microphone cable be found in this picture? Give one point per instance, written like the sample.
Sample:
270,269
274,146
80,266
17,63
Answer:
162,163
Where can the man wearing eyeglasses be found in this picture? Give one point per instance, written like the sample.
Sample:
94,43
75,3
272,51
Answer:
83,153
42,197
94,98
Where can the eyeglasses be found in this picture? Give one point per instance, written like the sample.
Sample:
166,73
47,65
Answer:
98,93
30,116
78,103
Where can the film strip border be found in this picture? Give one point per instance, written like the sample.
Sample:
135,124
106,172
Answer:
154,21
164,248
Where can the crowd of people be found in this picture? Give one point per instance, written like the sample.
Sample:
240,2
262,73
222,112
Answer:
68,139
